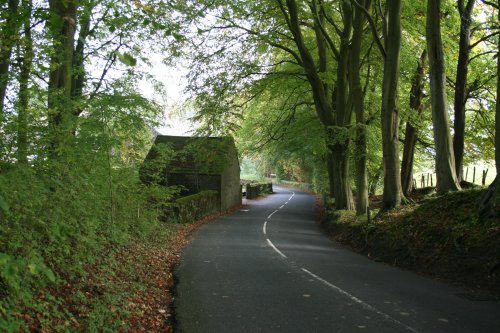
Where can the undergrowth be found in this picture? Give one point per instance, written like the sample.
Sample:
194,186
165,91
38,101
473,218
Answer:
63,230
442,236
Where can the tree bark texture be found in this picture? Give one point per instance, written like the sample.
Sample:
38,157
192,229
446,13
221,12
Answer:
331,116
492,206
340,140
357,101
416,96
329,169
461,84
8,40
375,179
78,72
497,108
24,75
390,109
341,186
61,114
495,210
490,203
445,159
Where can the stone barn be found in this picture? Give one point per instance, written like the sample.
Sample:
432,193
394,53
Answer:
197,164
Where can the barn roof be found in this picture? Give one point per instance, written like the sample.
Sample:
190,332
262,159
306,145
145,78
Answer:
206,155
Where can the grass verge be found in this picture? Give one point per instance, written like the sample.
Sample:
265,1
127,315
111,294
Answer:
130,289
440,236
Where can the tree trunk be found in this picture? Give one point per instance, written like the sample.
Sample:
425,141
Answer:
357,99
490,203
340,140
61,115
8,36
445,159
495,206
390,114
329,169
416,96
323,68
78,72
24,74
341,184
331,117
461,84
376,179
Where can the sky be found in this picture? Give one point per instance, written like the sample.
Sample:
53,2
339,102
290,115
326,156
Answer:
176,116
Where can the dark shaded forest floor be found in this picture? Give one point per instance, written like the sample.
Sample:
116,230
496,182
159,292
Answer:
438,236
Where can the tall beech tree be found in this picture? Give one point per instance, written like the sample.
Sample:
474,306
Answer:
315,36
357,102
335,117
338,139
321,43
109,34
390,50
495,201
26,62
445,159
62,29
393,192
8,35
465,10
493,204
411,133
490,203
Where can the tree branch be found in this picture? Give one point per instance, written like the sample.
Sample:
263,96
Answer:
373,27
489,3
324,33
263,37
482,39
480,55
111,61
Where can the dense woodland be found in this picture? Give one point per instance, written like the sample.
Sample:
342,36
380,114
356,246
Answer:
356,92
350,96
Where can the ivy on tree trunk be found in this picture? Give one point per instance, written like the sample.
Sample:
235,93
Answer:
411,133
357,101
61,116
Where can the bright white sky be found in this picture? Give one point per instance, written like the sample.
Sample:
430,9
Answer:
176,116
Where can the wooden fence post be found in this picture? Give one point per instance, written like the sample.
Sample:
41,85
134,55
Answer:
485,172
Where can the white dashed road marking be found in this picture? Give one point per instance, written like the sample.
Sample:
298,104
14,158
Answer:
332,286
276,249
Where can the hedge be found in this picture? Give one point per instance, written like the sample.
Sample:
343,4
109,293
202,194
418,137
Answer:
255,190
300,186
194,207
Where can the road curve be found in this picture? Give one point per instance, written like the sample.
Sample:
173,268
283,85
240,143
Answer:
267,268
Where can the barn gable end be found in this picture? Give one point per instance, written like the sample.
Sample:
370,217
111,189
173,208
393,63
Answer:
197,164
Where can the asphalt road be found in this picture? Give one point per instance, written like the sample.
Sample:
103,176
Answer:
268,268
